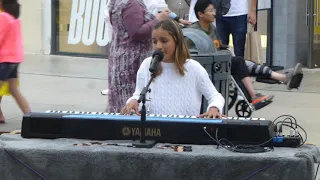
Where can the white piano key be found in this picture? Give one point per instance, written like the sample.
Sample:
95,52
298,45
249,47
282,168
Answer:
76,112
180,116
193,117
152,115
64,112
262,119
254,119
241,118
117,113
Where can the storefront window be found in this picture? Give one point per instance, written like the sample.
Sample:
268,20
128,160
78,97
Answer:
80,27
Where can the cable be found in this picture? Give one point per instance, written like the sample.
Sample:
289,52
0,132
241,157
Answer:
288,121
286,116
256,172
294,126
236,148
26,165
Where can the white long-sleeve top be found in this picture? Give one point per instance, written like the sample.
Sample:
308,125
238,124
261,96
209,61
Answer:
173,94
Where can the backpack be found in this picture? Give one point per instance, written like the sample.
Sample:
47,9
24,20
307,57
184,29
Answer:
222,7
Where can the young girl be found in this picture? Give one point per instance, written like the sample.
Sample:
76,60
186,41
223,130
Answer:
11,51
180,81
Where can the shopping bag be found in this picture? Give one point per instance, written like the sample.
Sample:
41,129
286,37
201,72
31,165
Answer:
253,48
4,89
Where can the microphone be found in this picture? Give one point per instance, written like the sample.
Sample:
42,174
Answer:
157,57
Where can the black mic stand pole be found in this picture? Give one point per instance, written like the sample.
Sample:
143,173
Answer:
143,142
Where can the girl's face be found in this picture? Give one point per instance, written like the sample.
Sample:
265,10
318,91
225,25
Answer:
165,43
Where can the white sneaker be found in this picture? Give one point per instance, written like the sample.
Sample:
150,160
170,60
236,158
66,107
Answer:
105,92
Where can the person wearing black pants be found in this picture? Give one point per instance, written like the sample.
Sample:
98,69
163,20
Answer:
240,71
235,23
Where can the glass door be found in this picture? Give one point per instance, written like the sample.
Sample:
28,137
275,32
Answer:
313,22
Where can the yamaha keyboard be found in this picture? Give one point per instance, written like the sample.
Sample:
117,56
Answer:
162,128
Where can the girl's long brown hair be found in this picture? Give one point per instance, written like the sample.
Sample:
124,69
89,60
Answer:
181,52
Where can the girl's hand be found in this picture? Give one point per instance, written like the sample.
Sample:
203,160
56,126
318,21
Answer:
132,105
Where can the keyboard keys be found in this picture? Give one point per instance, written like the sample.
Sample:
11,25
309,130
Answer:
153,115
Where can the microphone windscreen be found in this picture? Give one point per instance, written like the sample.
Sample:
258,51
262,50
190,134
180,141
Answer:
158,53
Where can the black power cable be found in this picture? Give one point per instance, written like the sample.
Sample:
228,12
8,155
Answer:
288,121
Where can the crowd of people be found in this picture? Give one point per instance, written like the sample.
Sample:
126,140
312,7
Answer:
139,27
202,15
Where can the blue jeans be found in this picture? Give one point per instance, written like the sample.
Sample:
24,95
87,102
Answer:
237,26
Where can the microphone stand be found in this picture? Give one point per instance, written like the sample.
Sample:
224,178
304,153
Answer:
143,143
